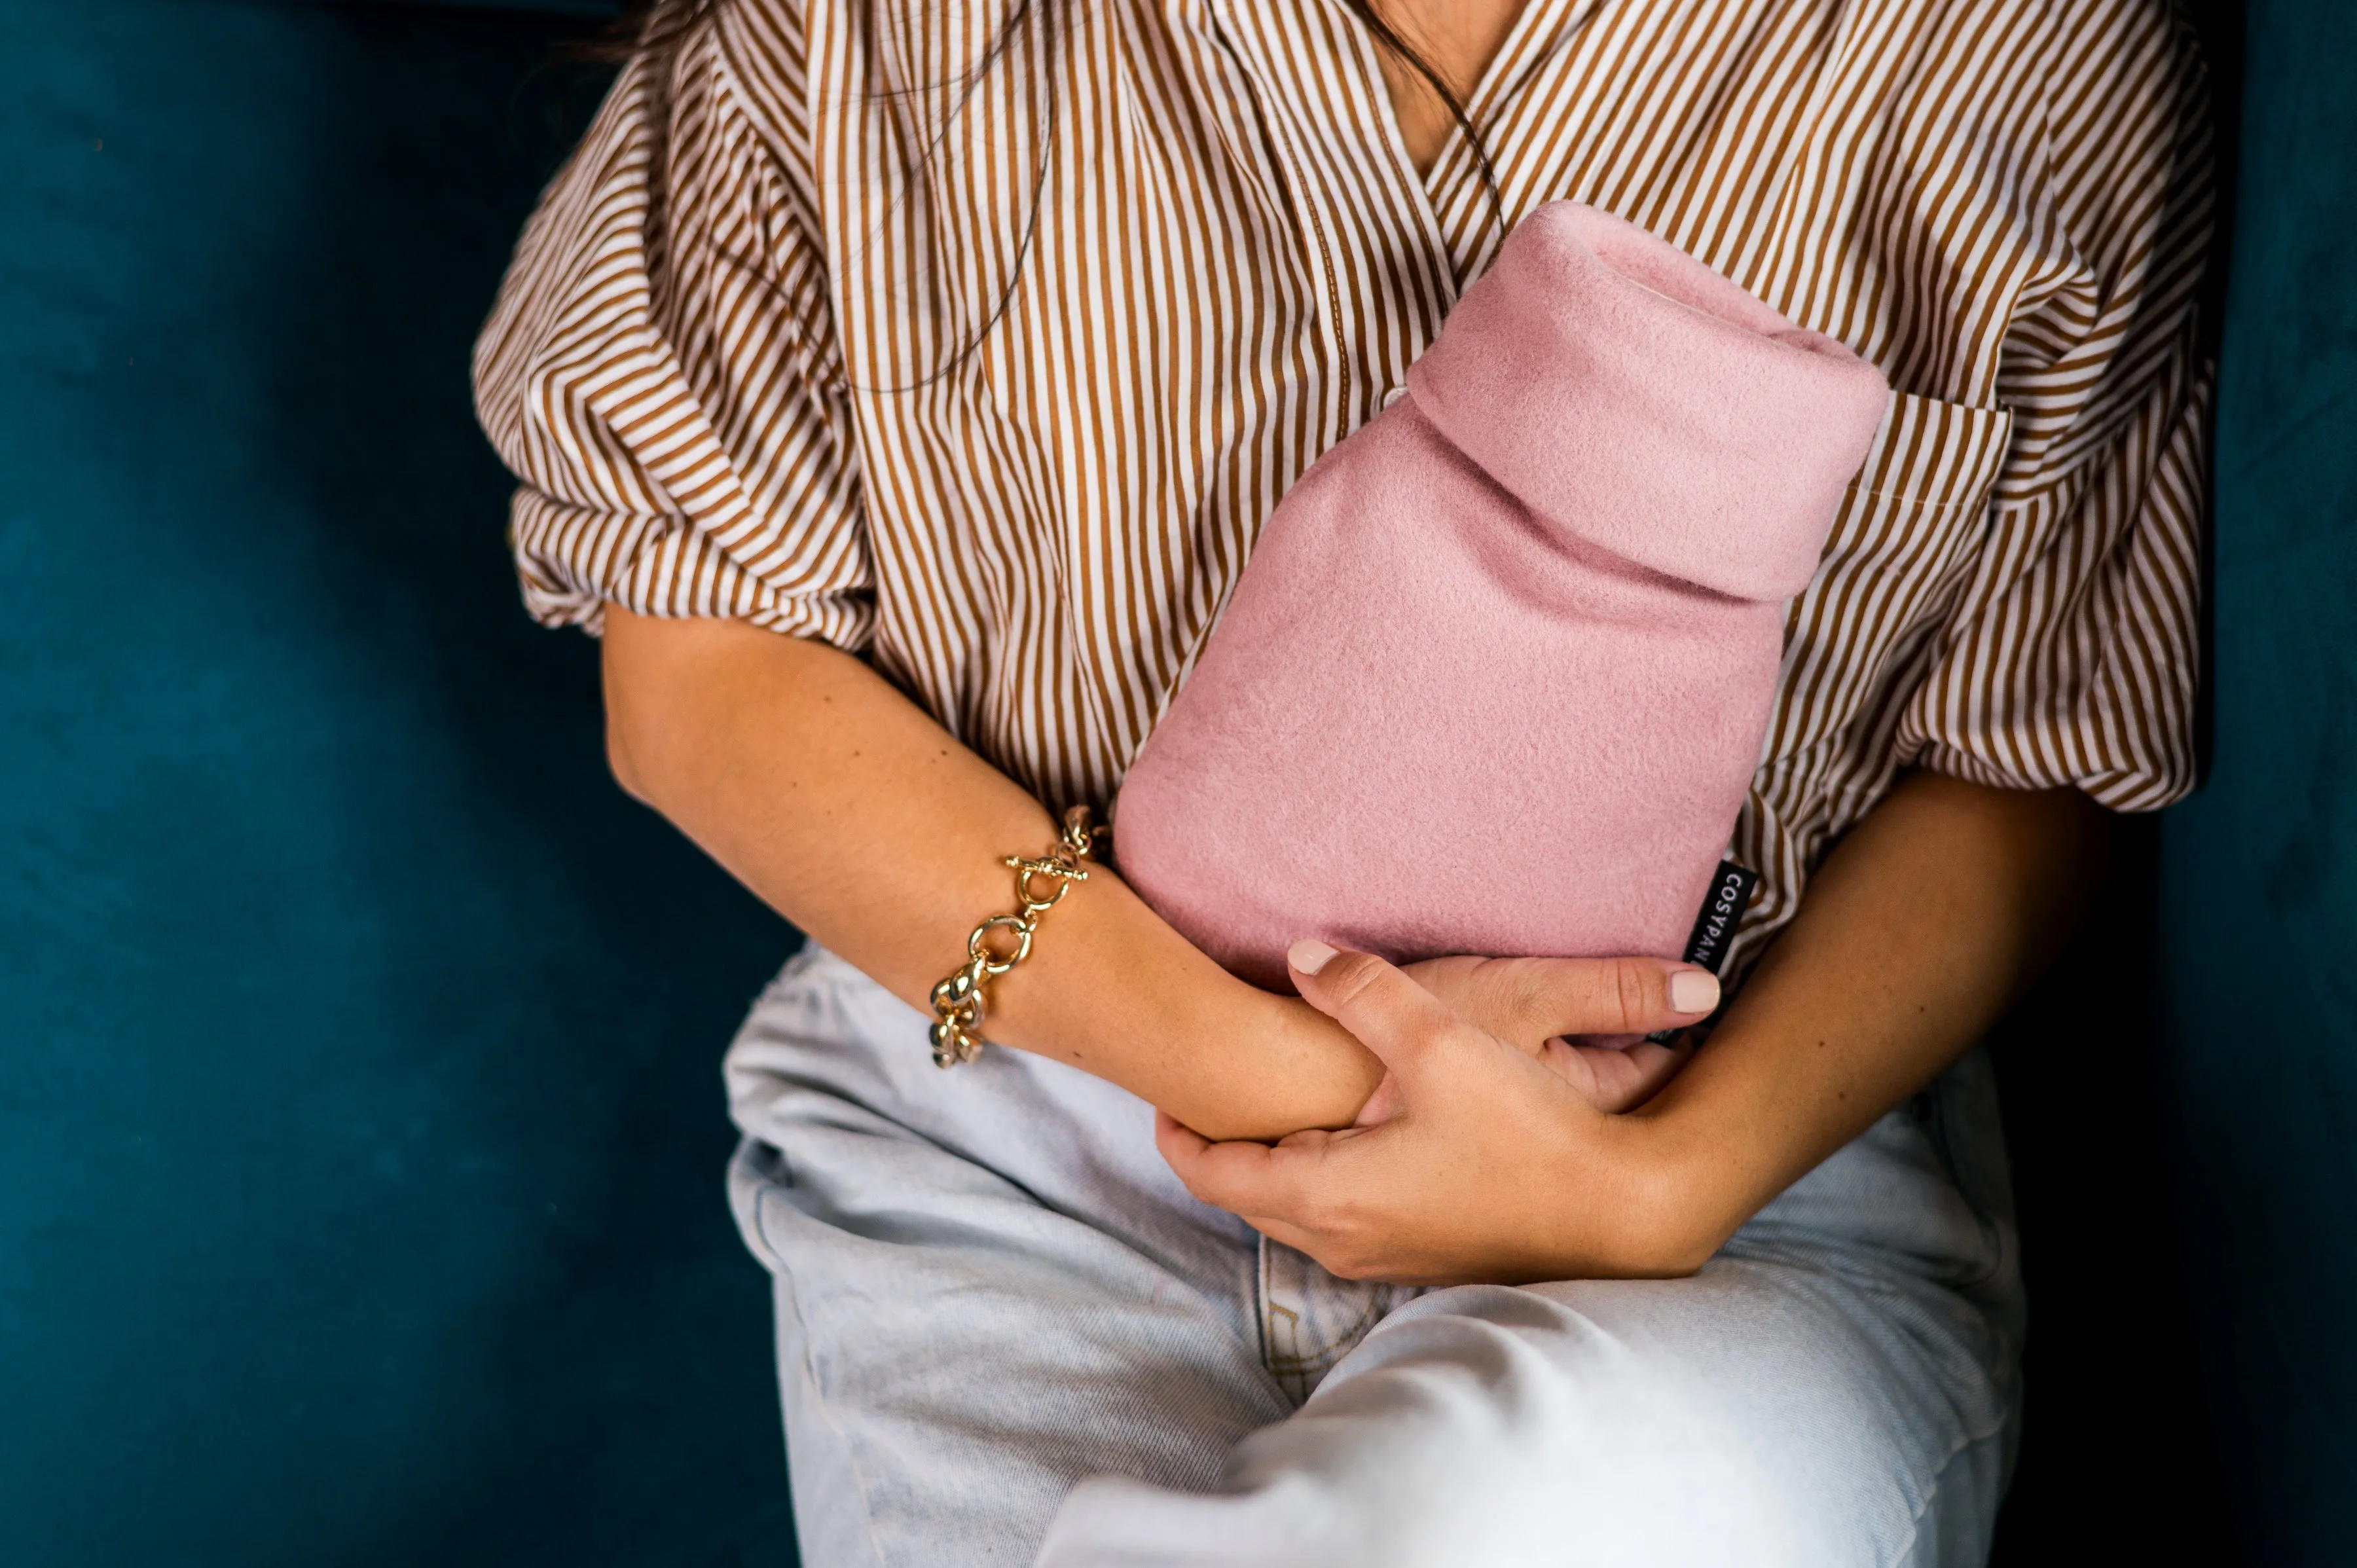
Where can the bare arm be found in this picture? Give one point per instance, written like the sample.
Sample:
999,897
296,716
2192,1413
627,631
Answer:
1920,929
859,819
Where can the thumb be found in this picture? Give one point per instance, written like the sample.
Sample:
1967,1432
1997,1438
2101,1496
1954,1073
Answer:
1405,1025
1551,997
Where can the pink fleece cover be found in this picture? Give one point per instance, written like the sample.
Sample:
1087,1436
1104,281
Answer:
1496,678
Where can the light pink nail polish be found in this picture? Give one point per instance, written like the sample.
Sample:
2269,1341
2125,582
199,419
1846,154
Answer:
1309,955
1694,990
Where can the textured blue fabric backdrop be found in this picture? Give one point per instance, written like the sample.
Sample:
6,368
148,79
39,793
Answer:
2259,873
360,1130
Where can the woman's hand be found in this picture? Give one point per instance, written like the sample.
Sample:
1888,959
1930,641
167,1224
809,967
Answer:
1920,927
1475,1160
1585,1019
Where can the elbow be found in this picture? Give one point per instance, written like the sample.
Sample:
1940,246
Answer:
1674,1214
672,690
1669,1246
1677,1257
621,760
629,747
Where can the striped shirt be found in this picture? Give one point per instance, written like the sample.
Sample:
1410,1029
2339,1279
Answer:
985,350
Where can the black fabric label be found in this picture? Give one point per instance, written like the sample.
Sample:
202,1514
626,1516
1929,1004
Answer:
1722,907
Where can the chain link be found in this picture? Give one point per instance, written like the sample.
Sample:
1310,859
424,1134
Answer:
961,1000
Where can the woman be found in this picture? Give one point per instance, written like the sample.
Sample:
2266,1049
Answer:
899,388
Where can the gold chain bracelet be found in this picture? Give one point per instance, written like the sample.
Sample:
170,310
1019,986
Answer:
960,1001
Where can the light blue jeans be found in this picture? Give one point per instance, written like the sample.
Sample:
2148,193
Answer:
1005,1334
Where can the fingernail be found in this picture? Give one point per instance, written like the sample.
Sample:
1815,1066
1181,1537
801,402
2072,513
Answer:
1309,955
1691,990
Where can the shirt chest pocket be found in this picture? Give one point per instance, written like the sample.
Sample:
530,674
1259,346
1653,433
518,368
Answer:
1902,546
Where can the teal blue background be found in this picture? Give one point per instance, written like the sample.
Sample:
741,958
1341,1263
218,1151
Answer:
2258,903
360,1129
359,1125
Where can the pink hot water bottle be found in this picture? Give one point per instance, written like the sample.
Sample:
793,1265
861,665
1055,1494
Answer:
1497,675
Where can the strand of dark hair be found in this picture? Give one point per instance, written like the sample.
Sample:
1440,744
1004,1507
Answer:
1458,111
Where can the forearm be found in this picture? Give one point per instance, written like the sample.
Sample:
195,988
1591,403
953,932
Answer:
859,818
1918,931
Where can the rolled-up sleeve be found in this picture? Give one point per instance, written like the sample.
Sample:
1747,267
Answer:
661,371
2072,656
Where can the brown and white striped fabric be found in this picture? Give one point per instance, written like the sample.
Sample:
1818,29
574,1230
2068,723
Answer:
990,367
